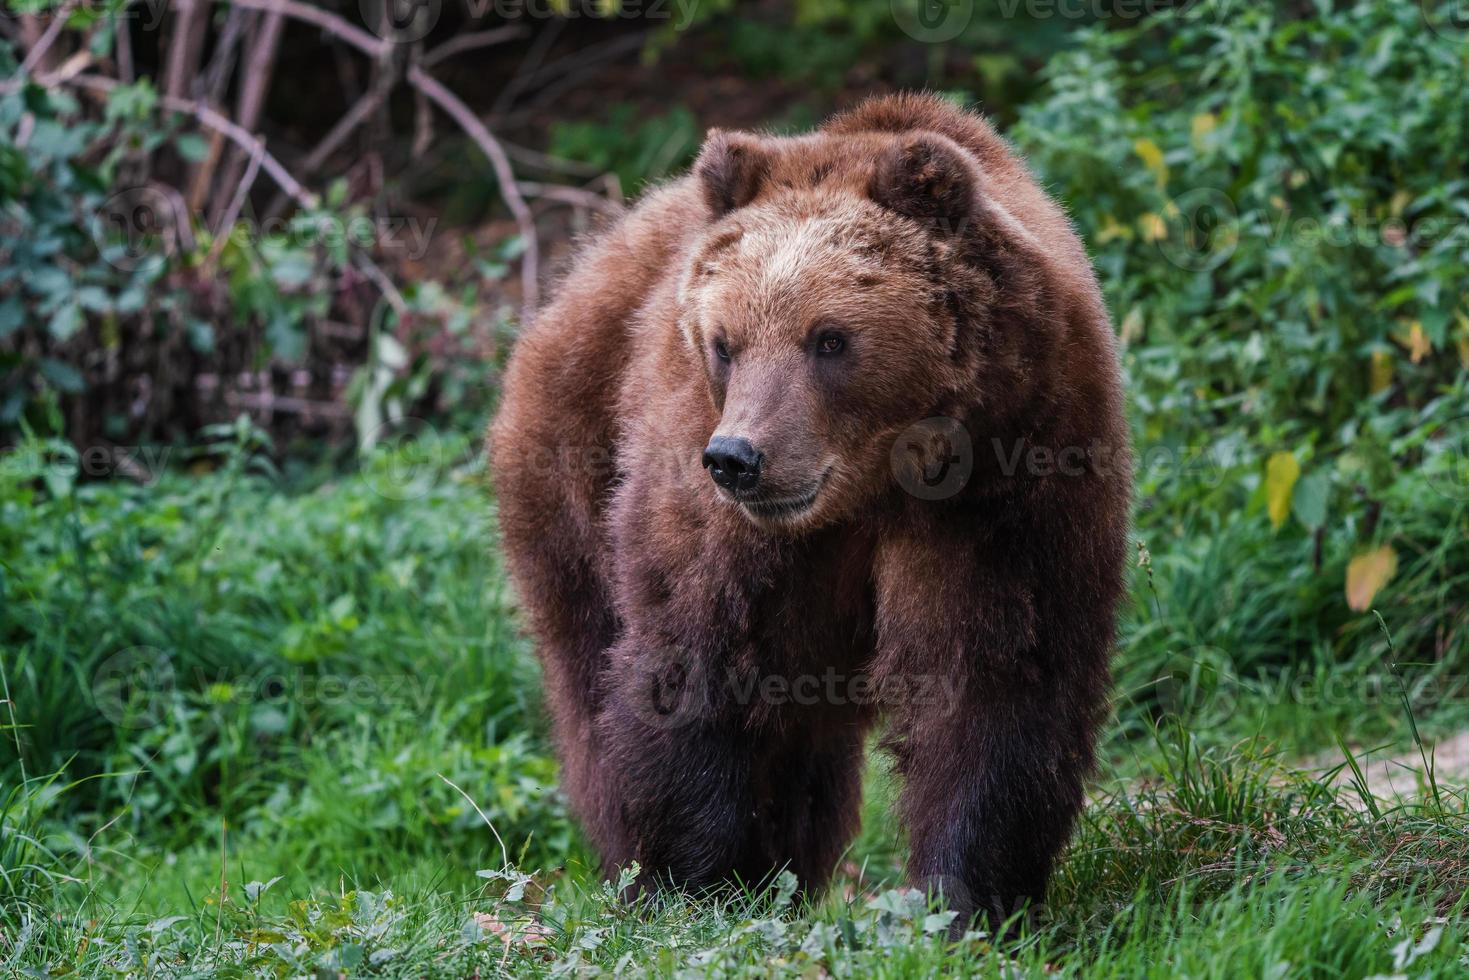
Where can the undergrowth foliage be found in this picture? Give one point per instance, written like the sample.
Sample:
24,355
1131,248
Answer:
1273,200
394,738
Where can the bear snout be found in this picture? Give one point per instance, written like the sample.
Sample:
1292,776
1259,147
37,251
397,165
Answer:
733,463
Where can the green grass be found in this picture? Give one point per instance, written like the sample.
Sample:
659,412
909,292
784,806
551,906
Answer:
277,725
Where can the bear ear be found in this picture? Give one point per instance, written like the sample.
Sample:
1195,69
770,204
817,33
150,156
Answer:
926,177
731,167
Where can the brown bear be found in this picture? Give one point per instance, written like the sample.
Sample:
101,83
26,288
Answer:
826,433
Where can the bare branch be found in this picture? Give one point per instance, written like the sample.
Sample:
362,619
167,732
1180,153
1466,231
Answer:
530,63
472,41
575,196
383,283
215,121
334,25
542,161
361,109
185,46
48,37
256,72
124,49
500,163
237,203
258,68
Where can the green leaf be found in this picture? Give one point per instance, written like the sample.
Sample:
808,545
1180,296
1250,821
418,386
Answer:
66,321
12,316
192,147
62,376
1308,502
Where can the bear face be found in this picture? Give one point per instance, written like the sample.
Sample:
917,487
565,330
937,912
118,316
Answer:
820,307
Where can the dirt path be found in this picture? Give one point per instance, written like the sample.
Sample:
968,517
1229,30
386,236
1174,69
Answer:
1400,775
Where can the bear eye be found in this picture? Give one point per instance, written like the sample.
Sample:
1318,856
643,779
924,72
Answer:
721,351
830,342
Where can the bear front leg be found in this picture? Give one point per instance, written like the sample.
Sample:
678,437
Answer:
994,709
992,788
678,768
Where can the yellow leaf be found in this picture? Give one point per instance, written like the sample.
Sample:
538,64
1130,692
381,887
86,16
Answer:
1203,125
1415,340
1112,230
1132,325
1367,574
1399,202
1381,371
1281,474
1462,342
1152,227
1152,156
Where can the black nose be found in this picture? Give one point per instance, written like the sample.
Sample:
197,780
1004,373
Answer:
733,463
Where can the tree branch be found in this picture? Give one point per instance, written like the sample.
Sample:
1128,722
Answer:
338,27
472,41
222,125
500,163
48,37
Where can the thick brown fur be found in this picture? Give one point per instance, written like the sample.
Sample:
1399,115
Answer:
675,619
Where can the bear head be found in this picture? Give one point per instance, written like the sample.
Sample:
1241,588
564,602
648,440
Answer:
846,288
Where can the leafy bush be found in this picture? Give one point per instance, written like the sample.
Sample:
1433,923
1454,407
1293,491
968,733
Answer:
1284,242
1277,210
140,283
180,639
